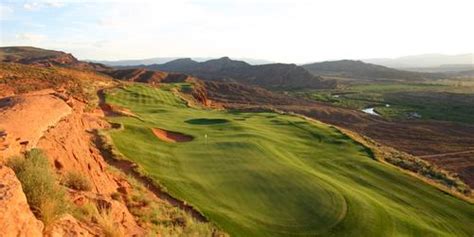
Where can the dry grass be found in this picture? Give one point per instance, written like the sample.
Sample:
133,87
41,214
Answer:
158,216
91,212
107,224
46,198
77,181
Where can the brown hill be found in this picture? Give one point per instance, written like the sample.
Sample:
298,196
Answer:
270,76
18,78
146,76
361,70
44,57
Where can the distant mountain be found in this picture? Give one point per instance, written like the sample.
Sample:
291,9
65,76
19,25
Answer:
162,60
448,68
425,60
44,57
462,74
361,70
146,76
270,76
134,62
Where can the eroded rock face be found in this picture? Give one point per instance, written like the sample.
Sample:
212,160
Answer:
16,218
69,147
26,117
69,226
59,126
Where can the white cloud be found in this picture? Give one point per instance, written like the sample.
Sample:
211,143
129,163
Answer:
282,30
5,12
56,4
109,22
33,6
287,31
30,37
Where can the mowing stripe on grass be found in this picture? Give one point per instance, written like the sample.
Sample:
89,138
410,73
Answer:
265,174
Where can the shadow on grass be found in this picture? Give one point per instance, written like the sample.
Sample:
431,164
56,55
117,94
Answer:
206,121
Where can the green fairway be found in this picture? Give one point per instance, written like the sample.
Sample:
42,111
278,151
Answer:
266,174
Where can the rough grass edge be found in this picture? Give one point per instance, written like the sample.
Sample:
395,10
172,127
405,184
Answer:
446,181
105,144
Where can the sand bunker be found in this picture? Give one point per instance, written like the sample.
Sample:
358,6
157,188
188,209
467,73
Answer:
169,136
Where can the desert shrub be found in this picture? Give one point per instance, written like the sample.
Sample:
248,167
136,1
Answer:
107,224
85,212
46,198
77,181
116,196
96,213
429,171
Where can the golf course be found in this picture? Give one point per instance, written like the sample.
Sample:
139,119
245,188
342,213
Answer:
270,174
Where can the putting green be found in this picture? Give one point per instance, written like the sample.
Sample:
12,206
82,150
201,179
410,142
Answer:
266,174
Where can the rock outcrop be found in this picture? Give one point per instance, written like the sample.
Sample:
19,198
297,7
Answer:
16,218
26,117
69,147
69,226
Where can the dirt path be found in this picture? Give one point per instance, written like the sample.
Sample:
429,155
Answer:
447,154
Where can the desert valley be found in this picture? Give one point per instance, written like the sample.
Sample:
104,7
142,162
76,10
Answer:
236,118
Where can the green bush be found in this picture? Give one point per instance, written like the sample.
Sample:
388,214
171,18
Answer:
46,198
77,181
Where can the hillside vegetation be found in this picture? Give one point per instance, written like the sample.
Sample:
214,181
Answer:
267,174
361,70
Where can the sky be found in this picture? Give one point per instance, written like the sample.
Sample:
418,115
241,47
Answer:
291,31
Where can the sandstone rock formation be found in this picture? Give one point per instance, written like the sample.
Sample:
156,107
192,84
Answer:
68,226
26,117
16,218
69,147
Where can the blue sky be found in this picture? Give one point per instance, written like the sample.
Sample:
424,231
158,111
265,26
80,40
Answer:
278,30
